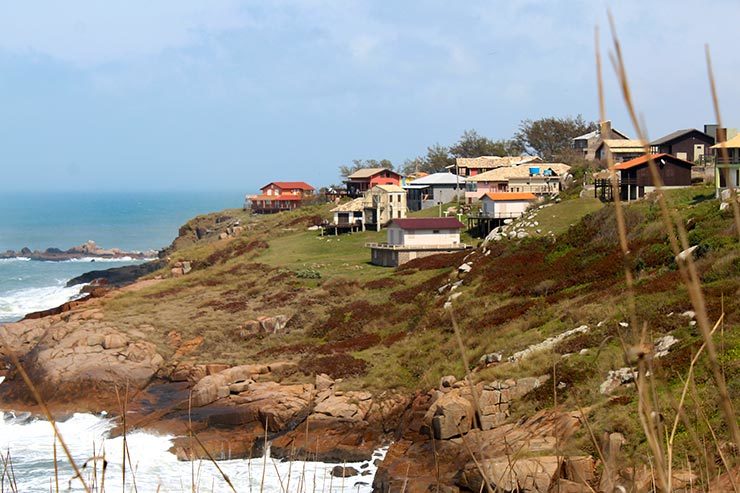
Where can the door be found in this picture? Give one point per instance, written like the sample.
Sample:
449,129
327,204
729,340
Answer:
698,152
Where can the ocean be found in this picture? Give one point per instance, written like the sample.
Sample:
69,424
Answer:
139,221
133,222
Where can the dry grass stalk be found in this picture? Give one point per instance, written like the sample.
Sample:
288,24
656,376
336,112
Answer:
678,239
618,211
44,408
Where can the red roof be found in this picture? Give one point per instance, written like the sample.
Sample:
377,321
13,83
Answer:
504,196
429,223
290,185
276,197
638,161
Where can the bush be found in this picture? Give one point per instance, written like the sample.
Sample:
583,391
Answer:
308,274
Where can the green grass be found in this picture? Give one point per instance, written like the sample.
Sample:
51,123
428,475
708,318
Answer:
557,218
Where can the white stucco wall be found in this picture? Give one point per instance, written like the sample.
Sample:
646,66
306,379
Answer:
507,208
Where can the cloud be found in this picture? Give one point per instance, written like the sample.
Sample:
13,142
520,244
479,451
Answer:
91,32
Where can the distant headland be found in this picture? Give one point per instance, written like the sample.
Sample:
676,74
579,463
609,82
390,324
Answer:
88,250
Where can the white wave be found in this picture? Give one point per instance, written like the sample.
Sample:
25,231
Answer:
16,304
156,469
15,259
102,259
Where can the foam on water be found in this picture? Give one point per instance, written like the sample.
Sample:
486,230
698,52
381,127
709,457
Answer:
15,304
31,443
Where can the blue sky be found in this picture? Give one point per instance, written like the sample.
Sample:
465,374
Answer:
187,94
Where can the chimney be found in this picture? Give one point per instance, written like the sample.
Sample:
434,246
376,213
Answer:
605,129
711,130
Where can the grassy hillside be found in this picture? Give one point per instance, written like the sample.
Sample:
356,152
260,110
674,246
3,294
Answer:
382,328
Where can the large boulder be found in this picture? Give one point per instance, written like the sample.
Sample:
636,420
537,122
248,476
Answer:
449,416
534,474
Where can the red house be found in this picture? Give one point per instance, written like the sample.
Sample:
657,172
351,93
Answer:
280,196
364,179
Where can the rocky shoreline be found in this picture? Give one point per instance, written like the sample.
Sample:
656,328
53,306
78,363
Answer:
87,250
81,363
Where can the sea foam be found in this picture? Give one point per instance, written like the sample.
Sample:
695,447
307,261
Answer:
16,304
31,445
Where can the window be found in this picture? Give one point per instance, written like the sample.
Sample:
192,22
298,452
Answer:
435,231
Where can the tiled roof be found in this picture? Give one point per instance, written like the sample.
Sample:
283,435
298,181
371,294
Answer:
624,145
429,223
290,185
390,188
491,162
504,196
368,173
733,143
638,161
521,171
351,206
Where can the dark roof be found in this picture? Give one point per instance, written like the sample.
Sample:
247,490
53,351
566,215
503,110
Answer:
639,161
675,135
429,223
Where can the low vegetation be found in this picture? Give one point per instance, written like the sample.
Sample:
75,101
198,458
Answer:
381,328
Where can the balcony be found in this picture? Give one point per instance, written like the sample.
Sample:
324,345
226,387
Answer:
388,246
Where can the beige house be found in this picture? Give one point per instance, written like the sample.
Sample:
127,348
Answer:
621,150
472,166
415,238
727,164
538,178
382,204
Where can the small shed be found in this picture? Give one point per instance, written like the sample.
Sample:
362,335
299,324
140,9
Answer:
506,204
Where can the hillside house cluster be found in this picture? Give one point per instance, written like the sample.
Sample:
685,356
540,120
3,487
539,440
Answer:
680,156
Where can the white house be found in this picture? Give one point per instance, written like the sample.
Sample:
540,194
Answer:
434,189
506,204
417,237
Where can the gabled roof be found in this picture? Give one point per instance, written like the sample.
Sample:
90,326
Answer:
290,185
389,188
618,146
521,171
351,206
428,223
492,162
639,161
597,133
675,135
439,179
368,173
733,143
509,196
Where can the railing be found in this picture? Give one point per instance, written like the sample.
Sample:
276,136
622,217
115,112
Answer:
388,246
720,161
496,215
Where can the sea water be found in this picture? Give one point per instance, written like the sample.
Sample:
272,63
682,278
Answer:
151,466
140,221
133,222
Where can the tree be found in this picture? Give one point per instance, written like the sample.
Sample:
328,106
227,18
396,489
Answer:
345,170
436,159
471,144
551,138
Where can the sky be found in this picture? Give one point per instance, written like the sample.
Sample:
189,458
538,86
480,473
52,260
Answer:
225,94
